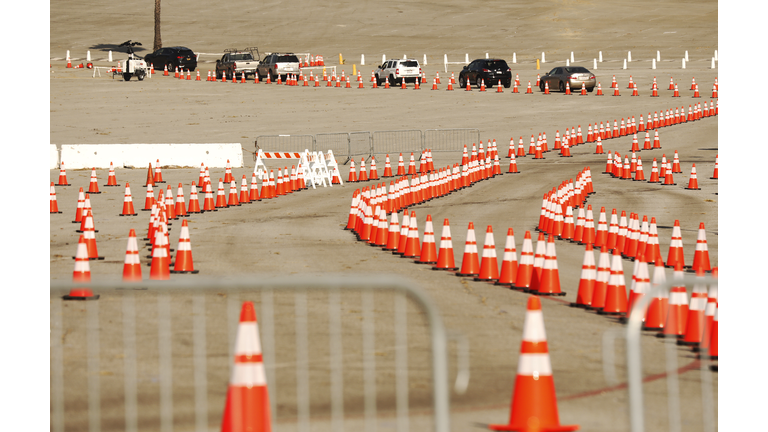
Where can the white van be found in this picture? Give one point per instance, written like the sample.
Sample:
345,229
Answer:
398,70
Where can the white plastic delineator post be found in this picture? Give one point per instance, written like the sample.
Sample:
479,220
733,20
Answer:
405,56
716,56
68,58
486,55
713,63
466,58
88,56
259,169
600,56
683,63
362,59
425,59
383,58
625,63
686,55
514,57
543,60
304,168
629,56
572,60
319,170
594,63
658,55
567,62
109,57
653,64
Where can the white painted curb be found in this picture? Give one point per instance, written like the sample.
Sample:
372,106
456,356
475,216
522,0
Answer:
85,156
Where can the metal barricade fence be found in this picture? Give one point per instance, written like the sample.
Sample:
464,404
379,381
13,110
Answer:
360,144
450,140
633,334
286,143
337,351
394,142
338,142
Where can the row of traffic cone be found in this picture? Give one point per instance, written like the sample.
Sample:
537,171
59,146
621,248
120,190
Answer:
664,174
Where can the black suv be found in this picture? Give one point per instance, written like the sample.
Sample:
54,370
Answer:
173,57
490,70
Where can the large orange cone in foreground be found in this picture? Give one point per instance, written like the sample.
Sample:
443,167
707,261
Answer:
534,404
247,406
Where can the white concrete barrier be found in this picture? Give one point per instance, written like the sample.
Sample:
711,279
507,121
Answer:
53,157
84,156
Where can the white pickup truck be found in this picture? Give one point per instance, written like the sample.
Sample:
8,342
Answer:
236,62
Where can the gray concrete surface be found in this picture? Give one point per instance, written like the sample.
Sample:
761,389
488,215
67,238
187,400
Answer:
303,234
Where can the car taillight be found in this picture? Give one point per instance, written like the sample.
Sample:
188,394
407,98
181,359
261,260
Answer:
591,77
234,64
486,70
397,71
179,57
419,71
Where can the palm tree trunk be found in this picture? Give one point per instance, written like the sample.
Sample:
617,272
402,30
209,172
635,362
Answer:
158,39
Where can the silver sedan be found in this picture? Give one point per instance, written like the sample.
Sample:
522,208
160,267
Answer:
575,76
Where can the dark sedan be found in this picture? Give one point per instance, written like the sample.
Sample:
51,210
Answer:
574,75
492,71
173,57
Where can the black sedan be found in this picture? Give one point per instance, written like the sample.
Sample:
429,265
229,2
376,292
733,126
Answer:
575,76
492,71
173,57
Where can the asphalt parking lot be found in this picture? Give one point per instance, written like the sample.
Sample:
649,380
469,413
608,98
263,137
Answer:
302,233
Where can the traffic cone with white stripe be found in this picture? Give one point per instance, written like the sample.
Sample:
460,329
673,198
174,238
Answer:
82,273
587,280
428,250
489,267
54,203
709,315
525,266
508,273
445,255
412,249
695,319
616,292
470,264
111,179
675,254
549,281
183,262
701,256
352,174
128,202
93,187
194,201
62,176
161,261
132,264
693,183
714,174
247,405
656,314
393,234
600,288
534,402
677,309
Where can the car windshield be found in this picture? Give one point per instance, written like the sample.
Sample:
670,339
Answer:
287,59
409,63
577,69
186,53
242,56
497,65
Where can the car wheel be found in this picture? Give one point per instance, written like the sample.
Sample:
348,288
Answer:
273,76
542,86
478,81
392,80
508,83
141,75
462,81
127,76
170,66
562,87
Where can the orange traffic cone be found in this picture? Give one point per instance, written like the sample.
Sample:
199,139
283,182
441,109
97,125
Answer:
132,265
412,249
112,179
677,310
90,237
656,314
62,176
600,288
695,319
714,174
363,176
675,254
549,281
82,273
616,291
247,405
183,262
587,280
709,314
428,251
489,268
693,183
150,176
405,227
194,201
161,261
701,256
158,177
712,349
525,266
232,200
445,255
54,203
221,197
534,403
393,234
508,273
93,188
128,202
470,264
